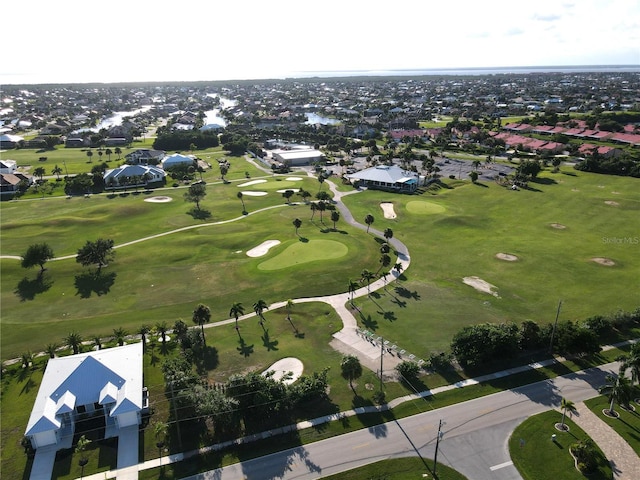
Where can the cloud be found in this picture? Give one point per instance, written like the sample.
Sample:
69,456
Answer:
514,31
546,18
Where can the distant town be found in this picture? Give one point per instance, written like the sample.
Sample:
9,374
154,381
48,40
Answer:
588,117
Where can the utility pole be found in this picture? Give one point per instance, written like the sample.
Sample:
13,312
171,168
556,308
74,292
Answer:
175,414
435,458
553,332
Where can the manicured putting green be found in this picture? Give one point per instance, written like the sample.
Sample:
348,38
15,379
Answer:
305,252
420,207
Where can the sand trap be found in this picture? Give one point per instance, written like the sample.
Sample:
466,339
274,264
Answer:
284,366
294,190
158,199
558,226
507,257
611,202
480,285
387,209
254,194
293,179
263,248
607,262
252,182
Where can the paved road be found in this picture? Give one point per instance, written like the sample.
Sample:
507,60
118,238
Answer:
474,441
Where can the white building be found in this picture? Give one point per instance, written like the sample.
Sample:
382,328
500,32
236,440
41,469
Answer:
128,176
383,177
298,157
105,385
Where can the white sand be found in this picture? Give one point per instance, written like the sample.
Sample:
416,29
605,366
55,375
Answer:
480,285
294,190
507,257
607,262
286,365
293,179
387,209
158,199
263,248
252,182
254,194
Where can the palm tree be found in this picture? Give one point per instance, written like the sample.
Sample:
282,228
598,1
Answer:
385,261
81,446
143,331
117,151
566,406
385,248
321,208
304,194
26,359
297,223
287,194
398,268
161,328
388,234
368,220
89,155
632,362
289,307
259,307
56,171
618,389
237,310
39,172
74,340
321,179
350,368
335,216
119,334
202,315
367,276
97,342
353,286
50,349
108,152
180,329
314,208
240,195
160,432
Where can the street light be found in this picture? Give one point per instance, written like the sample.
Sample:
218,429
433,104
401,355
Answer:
435,458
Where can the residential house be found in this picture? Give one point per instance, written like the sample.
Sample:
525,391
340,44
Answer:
128,176
177,159
104,386
145,156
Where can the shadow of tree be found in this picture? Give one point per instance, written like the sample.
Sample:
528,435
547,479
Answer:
94,282
268,343
406,293
369,323
199,214
244,349
390,316
28,289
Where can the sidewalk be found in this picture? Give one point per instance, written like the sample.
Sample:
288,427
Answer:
625,463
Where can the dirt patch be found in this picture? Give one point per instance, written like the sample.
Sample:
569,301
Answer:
507,257
607,262
263,248
480,285
160,199
612,203
558,226
388,210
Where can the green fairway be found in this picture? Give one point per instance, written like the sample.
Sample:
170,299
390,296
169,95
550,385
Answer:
420,207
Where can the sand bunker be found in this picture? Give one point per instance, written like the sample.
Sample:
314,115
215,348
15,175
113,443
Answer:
263,248
607,262
480,285
254,194
252,182
611,202
293,179
284,366
507,257
558,226
294,190
387,209
158,199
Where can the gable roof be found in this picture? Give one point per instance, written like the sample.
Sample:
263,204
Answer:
384,174
106,376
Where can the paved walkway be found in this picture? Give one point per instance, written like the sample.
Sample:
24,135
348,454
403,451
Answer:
624,461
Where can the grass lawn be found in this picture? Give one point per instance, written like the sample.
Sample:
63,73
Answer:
627,424
431,303
398,469
538,458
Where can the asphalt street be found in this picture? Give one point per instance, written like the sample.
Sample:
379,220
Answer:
474,441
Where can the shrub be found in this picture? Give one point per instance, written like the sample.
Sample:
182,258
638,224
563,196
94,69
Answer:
439,361
408,370
598,324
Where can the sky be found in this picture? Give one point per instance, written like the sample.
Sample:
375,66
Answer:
74,41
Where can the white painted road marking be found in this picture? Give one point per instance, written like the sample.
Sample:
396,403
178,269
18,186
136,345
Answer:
502,465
